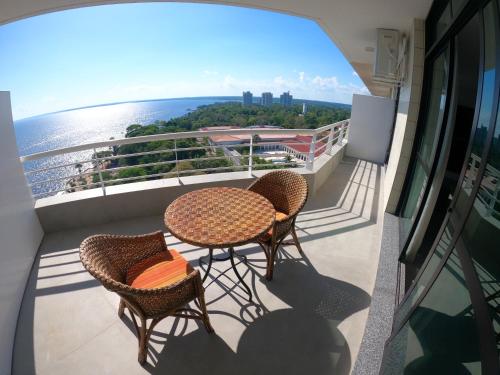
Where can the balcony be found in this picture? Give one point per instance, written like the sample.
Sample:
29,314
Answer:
309,319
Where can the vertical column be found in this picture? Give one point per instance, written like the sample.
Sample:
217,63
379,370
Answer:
20,233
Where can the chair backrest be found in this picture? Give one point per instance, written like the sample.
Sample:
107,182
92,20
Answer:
286,190
108,257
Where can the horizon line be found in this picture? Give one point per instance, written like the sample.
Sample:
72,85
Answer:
162,99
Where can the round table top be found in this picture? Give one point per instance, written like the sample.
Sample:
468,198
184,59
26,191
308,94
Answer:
219,217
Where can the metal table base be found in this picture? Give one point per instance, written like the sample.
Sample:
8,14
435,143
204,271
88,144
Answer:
230,256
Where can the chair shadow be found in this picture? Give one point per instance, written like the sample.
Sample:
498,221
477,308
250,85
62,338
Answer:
303,338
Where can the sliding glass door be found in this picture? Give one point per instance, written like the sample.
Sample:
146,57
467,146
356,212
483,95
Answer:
449,320
427,148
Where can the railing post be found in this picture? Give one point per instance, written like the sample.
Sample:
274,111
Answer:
250,157
101,180
340,138
312,150
176,161
329,143
493,201
345,129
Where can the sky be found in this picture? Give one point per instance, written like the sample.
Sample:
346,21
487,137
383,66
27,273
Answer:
114,53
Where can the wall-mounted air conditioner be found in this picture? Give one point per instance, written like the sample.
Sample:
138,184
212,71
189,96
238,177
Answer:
389,57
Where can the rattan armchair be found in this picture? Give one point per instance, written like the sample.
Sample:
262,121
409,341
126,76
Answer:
288,192
152,281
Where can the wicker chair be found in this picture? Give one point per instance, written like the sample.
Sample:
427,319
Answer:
288,192
153,282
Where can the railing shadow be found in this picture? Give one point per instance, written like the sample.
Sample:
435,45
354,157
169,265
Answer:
344,201
303,338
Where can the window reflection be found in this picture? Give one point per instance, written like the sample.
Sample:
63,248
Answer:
428,145
485,112
424,279
441,335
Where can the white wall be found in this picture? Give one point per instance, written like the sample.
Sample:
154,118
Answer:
406,119
370,127
20,233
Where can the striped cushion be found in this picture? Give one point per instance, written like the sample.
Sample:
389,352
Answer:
160,270
279,216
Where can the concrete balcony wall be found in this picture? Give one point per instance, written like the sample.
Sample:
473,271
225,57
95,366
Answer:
370,127
147,198
20,233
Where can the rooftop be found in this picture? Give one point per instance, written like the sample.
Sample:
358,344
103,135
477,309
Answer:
69,324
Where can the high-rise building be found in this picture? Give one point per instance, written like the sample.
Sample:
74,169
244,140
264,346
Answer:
286,99
267,98
247,98
304,108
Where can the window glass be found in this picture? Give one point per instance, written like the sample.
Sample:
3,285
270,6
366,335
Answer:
457,6
485,112
443,23
428,143
481,234
440,337
420,284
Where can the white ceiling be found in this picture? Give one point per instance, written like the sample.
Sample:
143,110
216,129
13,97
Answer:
351,24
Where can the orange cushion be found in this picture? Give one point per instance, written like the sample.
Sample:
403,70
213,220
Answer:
279,216
160,270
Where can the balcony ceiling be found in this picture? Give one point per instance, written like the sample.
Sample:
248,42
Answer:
351,24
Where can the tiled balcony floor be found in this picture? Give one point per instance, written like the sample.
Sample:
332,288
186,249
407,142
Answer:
309,320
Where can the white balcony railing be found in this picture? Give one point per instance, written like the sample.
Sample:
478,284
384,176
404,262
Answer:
96,165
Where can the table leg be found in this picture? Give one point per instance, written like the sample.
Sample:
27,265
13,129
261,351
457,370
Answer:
210,260
247,288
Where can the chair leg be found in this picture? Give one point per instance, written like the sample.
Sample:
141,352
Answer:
270,262
200,302
296,240
121,308
204,312
143,342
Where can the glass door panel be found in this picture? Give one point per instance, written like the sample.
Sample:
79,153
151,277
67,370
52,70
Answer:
481,233
427,148
440,337
491,39
423,280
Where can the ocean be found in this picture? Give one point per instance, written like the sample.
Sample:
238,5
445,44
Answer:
93,124
86,125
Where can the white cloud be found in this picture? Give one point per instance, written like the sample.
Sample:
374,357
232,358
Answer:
301,76
355,74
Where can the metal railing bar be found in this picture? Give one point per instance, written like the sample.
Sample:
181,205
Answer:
162,163
34,183
174,173
66,188
32,171
171,136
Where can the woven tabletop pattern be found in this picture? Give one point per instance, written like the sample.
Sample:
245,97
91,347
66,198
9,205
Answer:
219,217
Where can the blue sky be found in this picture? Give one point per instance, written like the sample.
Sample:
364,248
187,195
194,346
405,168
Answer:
126,52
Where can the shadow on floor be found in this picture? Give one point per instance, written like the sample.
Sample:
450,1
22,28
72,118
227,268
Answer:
302,339
347,203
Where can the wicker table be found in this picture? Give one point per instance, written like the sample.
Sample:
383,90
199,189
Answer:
219,218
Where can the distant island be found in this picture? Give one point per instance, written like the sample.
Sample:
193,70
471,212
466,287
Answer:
232,114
